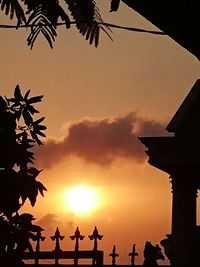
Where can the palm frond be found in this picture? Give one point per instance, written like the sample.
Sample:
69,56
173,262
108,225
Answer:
88,19
13,9
43,16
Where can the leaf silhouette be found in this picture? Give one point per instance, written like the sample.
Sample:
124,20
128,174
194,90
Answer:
18,112
41,127
88,19
32,196
35,228
3,104
35,99
13,8
26,217
17,94
44,17
41,188
34,171
27,117
32,110
26,95
34,136
39,133
39,120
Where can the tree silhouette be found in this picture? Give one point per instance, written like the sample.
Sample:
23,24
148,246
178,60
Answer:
178,20
43,16
19,133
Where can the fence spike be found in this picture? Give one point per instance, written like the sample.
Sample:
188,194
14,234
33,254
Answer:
114,255
133,254
77,236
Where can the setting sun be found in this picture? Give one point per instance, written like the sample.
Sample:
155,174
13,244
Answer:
81,199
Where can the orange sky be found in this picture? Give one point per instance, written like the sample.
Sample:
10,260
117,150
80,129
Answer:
111,94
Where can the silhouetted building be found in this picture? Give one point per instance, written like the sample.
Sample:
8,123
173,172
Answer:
179,156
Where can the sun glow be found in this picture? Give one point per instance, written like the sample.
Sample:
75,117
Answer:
81,199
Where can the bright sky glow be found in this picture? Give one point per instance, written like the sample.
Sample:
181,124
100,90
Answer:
81,199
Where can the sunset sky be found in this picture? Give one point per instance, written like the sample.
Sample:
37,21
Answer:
97,102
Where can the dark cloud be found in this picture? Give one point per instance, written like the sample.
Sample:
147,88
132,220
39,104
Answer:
101,141
50,221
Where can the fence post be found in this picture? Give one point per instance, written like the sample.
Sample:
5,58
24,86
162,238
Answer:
114,255
57,237
133,254
95,236
39,238
76,237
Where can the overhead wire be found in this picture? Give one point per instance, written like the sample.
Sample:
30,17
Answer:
111,25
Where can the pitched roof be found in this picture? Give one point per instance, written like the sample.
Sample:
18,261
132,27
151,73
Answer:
187,118
178,19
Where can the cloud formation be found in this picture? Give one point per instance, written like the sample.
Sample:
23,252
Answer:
101,141
51,221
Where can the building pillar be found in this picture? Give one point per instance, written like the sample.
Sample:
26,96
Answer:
184,192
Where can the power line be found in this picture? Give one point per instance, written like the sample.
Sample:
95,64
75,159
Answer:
110,25
133,29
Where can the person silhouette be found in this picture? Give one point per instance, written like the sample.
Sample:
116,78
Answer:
152,254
